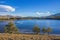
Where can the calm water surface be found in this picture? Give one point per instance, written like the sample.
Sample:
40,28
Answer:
27,25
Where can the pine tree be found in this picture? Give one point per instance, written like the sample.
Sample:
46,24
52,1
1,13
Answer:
49,30
44,30
11,28
36,29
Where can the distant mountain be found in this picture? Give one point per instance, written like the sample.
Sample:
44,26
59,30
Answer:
55,16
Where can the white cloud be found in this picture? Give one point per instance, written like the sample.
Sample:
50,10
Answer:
43,13
6,8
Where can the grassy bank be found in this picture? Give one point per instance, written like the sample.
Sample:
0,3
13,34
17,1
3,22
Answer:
6,36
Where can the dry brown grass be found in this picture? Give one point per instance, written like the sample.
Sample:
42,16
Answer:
24,37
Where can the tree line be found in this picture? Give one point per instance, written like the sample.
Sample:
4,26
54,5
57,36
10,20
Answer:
11,28
37,30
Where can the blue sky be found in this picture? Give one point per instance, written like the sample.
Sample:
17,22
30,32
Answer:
31,7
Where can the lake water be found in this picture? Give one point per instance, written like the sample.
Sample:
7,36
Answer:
25,26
